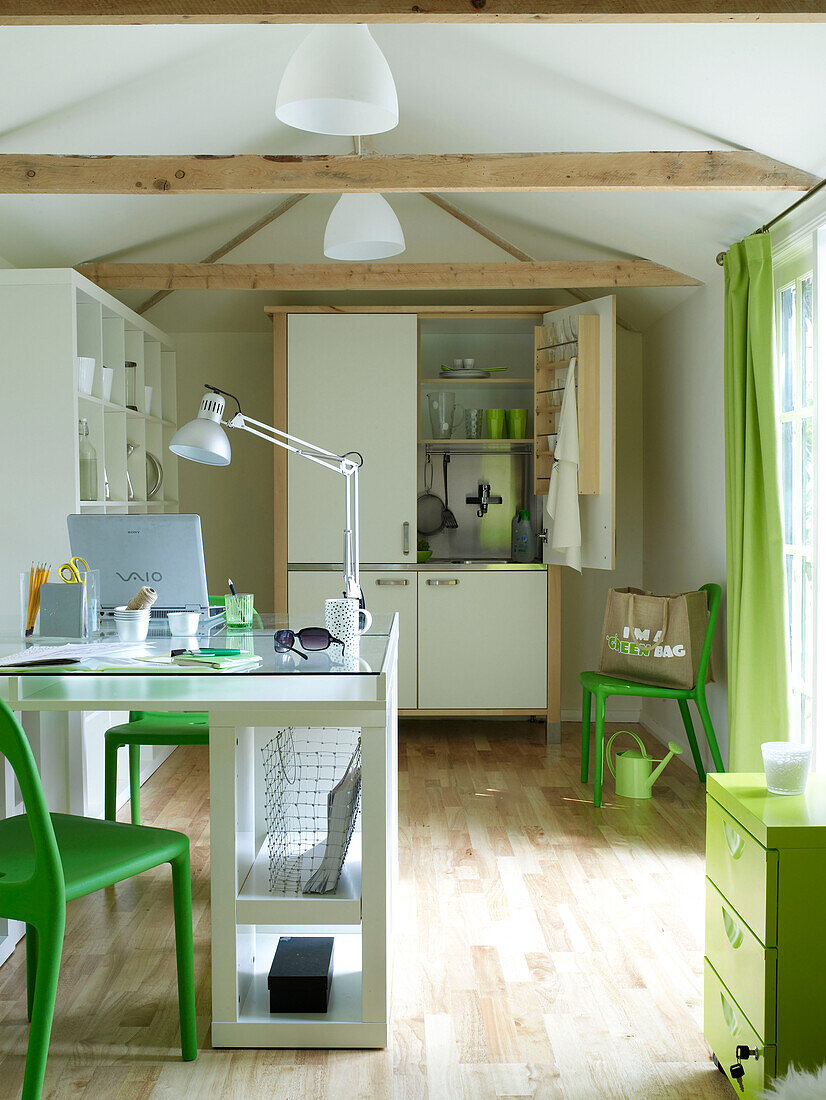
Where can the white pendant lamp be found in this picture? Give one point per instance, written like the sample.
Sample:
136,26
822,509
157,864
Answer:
363,227
338,82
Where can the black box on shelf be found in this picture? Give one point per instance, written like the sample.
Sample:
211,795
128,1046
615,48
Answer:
301,974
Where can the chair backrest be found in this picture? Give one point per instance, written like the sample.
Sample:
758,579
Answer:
47,878
714,594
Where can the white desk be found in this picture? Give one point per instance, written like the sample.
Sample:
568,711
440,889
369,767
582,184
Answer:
246,918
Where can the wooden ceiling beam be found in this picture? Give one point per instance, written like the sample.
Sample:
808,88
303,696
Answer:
229,246
558,274
711,170
70,12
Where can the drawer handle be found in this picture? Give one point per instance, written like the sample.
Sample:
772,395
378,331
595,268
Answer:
434,583
389,583
734,933
729,1016
734,842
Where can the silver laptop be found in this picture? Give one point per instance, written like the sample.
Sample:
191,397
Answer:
164,552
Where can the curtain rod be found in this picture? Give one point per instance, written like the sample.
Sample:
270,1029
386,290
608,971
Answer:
783,213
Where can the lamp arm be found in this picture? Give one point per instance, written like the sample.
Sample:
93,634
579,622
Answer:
341,464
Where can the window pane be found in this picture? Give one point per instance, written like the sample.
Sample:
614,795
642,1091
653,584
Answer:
787,447
787,348
789,596
807,665
807,509
807,340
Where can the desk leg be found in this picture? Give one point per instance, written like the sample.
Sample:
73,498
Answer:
231,843
379,816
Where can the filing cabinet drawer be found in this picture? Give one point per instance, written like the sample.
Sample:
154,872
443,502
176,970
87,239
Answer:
746,967
726,1026
743,871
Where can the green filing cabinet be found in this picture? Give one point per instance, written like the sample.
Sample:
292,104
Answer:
765,964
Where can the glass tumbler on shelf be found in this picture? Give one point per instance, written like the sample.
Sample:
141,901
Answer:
130,371
239,608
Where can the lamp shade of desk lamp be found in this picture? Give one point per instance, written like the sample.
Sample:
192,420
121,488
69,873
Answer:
203,439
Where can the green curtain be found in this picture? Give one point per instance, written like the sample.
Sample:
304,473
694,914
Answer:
757,673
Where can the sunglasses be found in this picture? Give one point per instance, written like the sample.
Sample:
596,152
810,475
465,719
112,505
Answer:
312,638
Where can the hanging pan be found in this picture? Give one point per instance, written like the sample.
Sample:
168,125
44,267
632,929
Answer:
429,508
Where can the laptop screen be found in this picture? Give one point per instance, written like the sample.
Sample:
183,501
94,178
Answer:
164,552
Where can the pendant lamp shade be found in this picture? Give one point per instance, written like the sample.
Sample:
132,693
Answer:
203,439
338,82
363,227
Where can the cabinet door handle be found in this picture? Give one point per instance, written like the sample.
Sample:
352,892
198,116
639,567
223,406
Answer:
734,842
434,582
398,582
734,933
405,538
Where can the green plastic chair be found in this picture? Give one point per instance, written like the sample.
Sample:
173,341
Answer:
147,727
600,686
49,859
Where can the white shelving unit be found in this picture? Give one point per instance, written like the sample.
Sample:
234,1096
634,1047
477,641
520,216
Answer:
48,318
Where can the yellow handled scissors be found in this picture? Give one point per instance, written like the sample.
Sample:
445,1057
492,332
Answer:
70,570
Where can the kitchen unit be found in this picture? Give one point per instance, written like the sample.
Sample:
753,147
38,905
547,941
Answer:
479,634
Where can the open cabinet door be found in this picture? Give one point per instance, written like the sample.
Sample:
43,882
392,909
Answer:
595,348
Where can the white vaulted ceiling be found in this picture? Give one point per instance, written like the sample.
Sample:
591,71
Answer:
486,88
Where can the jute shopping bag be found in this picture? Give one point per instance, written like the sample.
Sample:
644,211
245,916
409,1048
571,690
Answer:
654,639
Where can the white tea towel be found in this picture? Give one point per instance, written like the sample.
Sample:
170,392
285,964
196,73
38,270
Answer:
562,503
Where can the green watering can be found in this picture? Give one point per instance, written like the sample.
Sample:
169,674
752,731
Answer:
633,769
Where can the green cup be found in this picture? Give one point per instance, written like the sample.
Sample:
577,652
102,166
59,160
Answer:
517,423
496,423
239,609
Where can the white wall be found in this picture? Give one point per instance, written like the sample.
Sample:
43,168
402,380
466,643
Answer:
235,502
684,486
583,597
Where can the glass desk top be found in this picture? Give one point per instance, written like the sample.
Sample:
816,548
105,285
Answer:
107,655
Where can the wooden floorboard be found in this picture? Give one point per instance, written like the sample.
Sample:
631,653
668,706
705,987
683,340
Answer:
543,948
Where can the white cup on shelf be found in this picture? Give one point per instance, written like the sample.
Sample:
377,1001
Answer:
85,373
147,399
107,376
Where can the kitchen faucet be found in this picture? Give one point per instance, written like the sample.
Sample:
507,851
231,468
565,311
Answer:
483,499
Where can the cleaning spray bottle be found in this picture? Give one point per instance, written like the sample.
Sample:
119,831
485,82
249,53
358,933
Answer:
523,544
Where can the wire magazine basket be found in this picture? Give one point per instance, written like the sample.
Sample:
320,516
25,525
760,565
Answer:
311,799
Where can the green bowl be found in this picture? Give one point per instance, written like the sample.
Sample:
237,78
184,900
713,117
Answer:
423,555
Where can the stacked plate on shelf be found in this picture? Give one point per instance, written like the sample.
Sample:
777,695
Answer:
468,372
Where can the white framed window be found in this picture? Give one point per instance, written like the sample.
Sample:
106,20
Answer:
796,395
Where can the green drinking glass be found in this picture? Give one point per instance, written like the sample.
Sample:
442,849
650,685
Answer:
517,423
496,423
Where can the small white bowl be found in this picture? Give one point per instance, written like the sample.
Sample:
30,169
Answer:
183,623
85,373
132,630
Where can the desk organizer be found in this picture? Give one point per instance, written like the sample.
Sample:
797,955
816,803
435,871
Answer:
311,798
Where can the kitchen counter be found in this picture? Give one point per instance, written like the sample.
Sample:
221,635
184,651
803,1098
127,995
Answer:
433,565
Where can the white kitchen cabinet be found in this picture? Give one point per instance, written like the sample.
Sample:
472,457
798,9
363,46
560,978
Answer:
483,640
352,386
385,591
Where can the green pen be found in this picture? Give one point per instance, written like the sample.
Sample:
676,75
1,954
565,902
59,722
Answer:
221,652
